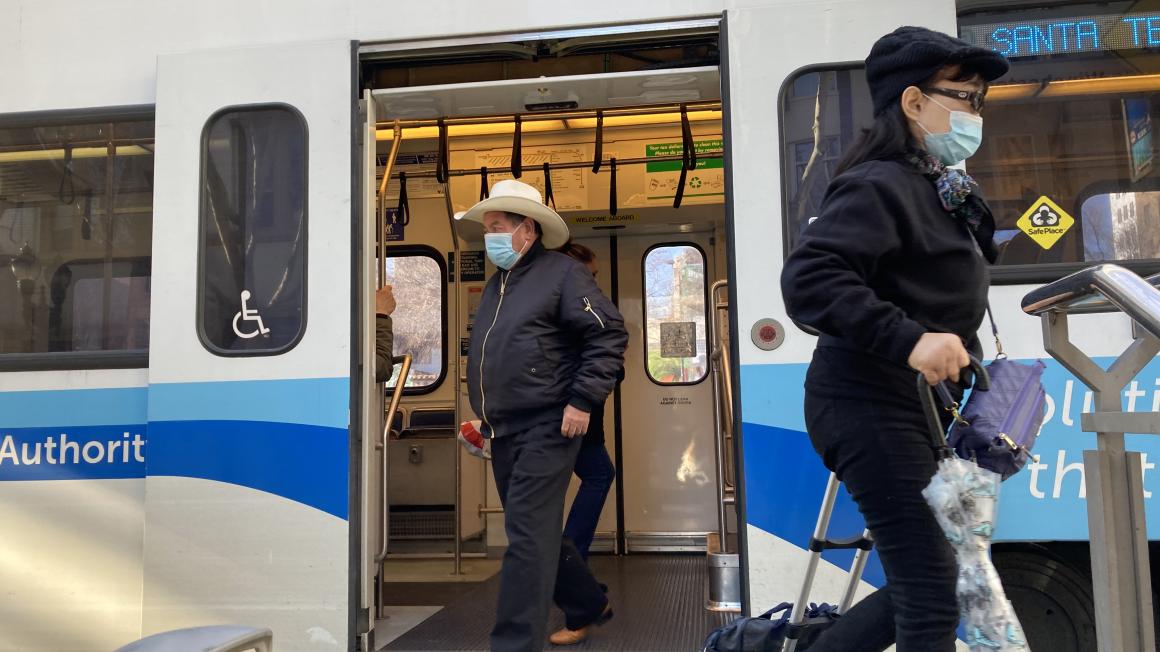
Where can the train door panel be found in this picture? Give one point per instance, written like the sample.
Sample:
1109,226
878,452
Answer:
667,420
775,454
247,489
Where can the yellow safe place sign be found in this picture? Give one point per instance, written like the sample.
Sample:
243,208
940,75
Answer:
1045,222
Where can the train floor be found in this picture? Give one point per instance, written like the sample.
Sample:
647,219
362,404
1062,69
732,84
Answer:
659,604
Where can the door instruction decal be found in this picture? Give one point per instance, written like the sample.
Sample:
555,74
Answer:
679,339
662,177
1045,222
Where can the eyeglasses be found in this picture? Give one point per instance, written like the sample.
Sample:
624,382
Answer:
975,98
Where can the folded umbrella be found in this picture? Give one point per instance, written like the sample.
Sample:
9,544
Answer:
964,498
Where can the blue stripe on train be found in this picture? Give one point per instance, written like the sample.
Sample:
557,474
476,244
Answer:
784,483
1043,502
304,463
73,407
284,437
311,401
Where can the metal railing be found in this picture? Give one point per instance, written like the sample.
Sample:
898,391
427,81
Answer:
722,405
1113,477
454,370
383,445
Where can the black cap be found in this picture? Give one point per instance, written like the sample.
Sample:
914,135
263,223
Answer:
909,56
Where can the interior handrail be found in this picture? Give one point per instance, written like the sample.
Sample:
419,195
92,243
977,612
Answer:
392,409
722,401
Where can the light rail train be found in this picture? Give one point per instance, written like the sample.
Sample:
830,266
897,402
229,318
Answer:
198,200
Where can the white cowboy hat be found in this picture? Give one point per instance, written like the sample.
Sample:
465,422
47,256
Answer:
517,197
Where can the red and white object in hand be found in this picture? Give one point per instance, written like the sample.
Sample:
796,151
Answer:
471,438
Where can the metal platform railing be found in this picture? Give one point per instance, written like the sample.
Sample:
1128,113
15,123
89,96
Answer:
1113,477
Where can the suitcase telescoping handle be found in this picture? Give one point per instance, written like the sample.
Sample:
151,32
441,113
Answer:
930,406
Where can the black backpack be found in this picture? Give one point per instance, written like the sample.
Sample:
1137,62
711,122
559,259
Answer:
764,634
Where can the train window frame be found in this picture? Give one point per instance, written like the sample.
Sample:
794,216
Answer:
644,312
77,360
1025,274
427,251
203,149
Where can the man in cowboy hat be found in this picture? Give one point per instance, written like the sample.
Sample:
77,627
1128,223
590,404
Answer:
545,351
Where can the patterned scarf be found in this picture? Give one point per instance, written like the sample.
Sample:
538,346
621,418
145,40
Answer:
960,197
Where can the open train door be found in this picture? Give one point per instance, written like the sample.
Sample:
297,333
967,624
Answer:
249,515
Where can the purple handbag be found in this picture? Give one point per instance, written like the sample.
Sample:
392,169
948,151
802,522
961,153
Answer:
1001,418
997,428
1000,421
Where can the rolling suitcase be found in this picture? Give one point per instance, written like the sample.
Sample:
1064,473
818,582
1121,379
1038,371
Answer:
799,621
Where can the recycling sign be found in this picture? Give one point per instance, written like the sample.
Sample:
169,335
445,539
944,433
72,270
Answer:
1045,222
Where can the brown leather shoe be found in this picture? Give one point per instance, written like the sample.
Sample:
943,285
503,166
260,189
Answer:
569,636
574,636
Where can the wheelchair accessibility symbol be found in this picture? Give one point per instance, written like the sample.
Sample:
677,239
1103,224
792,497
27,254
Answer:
246,314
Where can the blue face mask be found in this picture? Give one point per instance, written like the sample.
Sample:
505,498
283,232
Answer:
499,250
958,144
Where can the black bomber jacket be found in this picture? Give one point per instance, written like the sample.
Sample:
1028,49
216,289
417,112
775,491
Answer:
544,337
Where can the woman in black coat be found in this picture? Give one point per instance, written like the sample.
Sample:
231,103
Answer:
893,274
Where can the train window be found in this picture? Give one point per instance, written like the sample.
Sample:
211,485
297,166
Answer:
252,276
675,298
1068,157
416,275
840,101
76,225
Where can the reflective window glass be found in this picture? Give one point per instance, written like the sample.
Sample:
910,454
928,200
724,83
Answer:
76,225
674,283
252,294
417,281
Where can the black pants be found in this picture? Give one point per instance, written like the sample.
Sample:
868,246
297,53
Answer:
532,471
882,451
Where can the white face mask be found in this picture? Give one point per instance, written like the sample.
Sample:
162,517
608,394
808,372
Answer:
501,251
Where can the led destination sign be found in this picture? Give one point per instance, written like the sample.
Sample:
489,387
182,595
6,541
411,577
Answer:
1066,35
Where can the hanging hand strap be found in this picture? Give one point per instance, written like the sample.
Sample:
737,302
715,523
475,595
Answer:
598,158
443,166
402,213
483,184
66,181
612,186
688,156
549,198
517,149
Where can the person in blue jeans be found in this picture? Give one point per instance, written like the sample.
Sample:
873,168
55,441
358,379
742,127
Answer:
596,473
593,466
